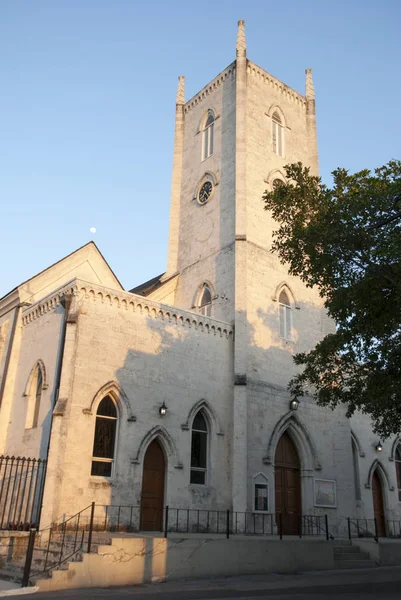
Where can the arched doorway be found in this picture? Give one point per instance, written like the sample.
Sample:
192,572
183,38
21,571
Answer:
152,499
287,486
378,504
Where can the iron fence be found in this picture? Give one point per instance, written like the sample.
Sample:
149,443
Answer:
362,528
130,519
21,491
393,528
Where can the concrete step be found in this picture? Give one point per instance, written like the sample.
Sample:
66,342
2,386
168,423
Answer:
346,549
11,574
351,556
356,564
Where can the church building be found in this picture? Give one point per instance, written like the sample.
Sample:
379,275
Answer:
175,392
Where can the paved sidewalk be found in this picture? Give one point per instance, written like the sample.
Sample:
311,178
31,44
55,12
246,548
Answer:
381,583
8,585
9,588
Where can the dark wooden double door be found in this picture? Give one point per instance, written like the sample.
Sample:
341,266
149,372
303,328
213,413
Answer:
287,487
152,499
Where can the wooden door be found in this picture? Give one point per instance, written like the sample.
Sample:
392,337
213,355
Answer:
153,488
287,486
378,505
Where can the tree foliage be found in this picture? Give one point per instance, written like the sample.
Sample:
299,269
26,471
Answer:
346,240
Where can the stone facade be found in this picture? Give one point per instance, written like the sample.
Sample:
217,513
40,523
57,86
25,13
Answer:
92,339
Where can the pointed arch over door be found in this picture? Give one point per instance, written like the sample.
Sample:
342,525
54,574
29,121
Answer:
152,498
287,476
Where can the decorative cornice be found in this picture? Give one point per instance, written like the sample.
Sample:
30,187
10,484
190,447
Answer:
210,87
278,85
89,292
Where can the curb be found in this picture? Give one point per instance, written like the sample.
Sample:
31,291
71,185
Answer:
19,591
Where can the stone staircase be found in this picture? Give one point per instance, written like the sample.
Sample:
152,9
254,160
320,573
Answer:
44,556
347,556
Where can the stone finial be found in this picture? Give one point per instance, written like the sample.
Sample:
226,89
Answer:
241,40
180,98
310,90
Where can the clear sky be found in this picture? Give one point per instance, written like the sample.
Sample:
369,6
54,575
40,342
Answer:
87,108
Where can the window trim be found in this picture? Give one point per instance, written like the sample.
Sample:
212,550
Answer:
278,138
198,296
204,470
103,459
34,395
287,317
208,135
264,483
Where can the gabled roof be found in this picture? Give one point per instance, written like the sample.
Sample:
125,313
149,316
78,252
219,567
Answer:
149,286
91,243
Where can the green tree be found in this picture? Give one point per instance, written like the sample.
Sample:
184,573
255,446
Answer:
346,240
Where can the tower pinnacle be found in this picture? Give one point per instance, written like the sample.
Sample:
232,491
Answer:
241,40
309,89
180,98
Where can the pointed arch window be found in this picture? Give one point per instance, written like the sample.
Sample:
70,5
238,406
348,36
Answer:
398,470
34,398
355,461
199,449
105,438
205,300
285,315
277,134
208,136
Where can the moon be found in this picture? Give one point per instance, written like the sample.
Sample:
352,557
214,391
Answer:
92,229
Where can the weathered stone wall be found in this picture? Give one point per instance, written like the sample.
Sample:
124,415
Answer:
149,353
143,560
368,460
40,341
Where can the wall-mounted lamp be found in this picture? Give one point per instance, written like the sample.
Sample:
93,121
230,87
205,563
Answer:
379,447
163,409
294,404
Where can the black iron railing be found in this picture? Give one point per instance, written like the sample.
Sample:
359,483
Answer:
393,528
127,518
362,528
316,525
62,541
21,491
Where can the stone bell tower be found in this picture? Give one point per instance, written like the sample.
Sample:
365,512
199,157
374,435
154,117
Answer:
232,140
223,161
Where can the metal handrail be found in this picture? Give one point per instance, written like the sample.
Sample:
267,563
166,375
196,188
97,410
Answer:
317,524
356,524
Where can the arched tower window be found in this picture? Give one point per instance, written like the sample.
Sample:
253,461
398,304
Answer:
208,136
199,449
35,395
105,438
277,134
276,183
204,304
285,315
398,470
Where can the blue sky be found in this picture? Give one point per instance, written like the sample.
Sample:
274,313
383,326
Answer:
87,110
